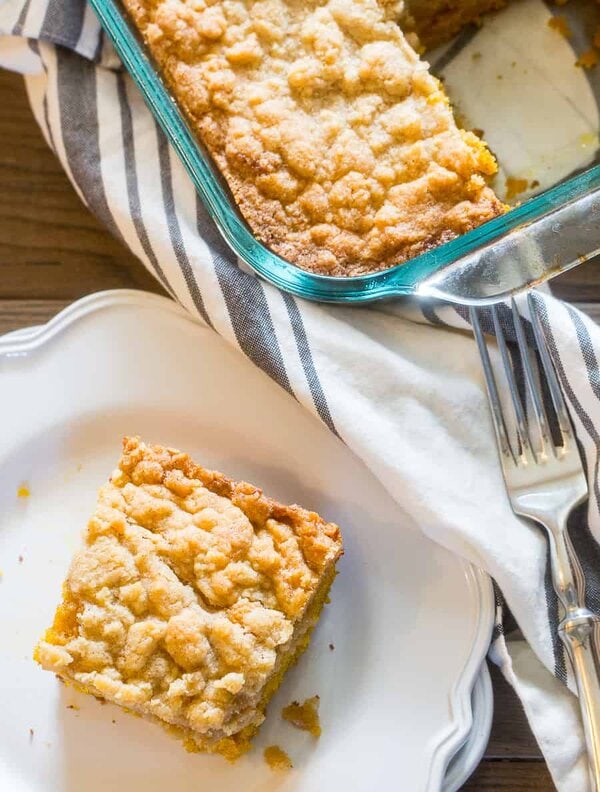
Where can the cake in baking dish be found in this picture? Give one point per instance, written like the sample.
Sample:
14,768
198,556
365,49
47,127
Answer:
191,596
340,148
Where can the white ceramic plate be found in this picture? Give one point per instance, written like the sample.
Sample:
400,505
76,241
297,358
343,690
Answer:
409,621
465,761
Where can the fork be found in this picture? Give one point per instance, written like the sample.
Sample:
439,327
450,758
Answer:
545,481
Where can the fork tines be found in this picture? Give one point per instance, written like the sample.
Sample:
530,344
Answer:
532,383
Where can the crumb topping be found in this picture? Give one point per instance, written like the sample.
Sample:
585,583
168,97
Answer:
187,587
338,145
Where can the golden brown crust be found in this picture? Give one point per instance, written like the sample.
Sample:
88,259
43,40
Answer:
339,147
317,538
190,596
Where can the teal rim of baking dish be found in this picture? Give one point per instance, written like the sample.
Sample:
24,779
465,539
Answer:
403,279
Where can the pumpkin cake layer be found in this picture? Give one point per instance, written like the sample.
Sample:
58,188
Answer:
339,146
190,597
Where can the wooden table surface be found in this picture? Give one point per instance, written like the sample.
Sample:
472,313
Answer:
53,251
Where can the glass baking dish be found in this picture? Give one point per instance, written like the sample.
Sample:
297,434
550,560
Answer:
556,229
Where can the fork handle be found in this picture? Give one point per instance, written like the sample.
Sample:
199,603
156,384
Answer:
577,633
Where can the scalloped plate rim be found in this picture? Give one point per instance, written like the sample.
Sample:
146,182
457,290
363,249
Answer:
451,741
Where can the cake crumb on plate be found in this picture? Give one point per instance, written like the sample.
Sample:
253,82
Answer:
304,716
276,758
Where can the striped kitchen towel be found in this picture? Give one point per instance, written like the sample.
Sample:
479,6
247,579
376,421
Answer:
403,394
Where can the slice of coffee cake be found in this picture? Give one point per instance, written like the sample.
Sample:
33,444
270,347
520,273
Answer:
190,598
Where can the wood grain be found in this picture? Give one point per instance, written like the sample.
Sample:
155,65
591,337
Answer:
510,776
511,737
15,314
52,251
581,284
51,247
